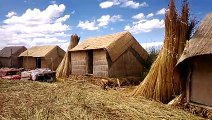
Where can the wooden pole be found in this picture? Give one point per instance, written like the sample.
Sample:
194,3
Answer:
52,63
11,52
27,59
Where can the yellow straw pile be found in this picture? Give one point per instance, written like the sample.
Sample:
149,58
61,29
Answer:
64,69
159,84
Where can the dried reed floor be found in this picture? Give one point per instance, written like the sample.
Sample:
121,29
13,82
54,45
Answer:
77,100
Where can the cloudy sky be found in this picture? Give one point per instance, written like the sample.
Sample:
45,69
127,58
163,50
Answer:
46,22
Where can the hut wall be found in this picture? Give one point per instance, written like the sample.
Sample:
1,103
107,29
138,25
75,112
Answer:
100,63
17,62
49,60
51,63
200,86
56,62
127,65
13,60
29,63
47,63
53,58
5,62
78,62
52,54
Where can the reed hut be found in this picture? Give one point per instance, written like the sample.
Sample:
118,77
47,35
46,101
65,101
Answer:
114,55
42,57
9,56
194,66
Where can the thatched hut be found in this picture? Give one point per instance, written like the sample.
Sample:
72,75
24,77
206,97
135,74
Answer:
194,66
114,55
42,57
9,56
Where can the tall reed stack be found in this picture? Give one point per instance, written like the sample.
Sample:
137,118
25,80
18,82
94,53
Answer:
64,69
159,83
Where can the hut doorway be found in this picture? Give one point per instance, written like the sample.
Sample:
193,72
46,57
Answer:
38,62
90,62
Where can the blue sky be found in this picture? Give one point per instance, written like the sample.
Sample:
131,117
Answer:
46,22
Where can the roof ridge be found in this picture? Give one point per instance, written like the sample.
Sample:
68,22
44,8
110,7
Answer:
51,50
107,35
45,46
39,50
124,34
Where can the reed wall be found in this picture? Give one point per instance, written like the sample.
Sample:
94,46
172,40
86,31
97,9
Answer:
78,62
100,64
127,65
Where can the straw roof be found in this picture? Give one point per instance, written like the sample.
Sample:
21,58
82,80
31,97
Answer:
6,51
201,42
115,44
39,51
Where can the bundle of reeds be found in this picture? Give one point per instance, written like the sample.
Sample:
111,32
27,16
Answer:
64,69
159,83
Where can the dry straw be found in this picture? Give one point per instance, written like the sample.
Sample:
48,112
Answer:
64,69
77,99
159,83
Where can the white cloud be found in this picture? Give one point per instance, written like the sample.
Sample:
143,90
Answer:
103,21
145,26
139,16
36,16
161,11
133,4
35,27
150,15
87,25
63,19
144,4
150,45
143,23
138,22
116,18
10,14
53,2
64,46
106,4
122,3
